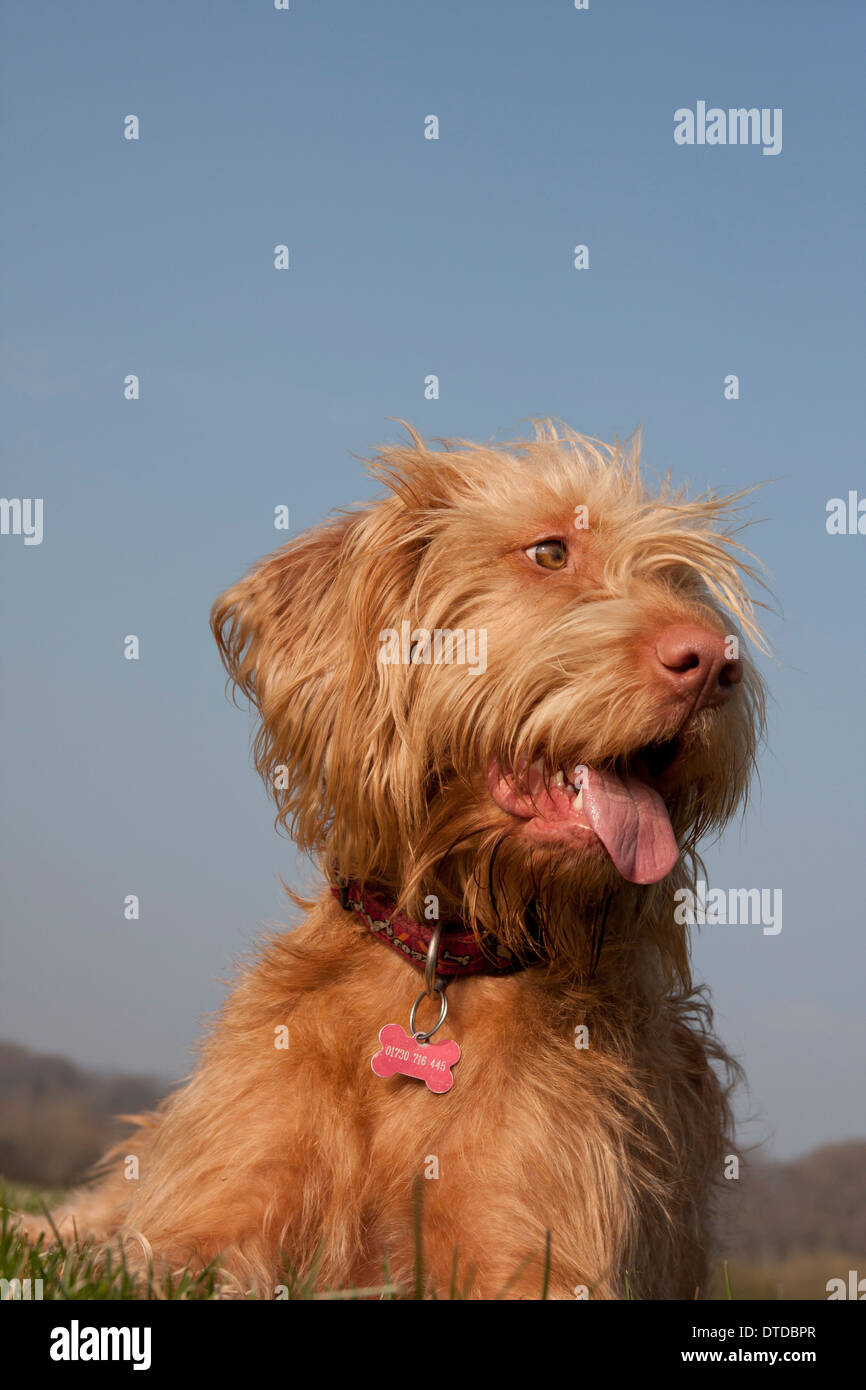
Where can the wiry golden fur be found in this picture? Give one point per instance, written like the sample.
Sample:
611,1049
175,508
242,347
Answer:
269,1155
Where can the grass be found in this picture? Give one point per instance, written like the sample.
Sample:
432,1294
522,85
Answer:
71,1272
801,1276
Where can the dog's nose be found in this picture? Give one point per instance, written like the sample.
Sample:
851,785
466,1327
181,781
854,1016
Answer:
694,662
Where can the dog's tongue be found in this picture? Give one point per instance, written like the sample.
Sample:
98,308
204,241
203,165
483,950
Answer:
632,822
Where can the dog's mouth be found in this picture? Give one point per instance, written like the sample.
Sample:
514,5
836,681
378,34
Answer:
615,805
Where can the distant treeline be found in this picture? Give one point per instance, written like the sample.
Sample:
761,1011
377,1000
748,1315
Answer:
56,1118
817,1202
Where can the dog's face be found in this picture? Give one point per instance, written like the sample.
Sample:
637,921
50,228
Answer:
519,674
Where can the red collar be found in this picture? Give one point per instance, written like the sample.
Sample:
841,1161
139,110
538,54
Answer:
459,950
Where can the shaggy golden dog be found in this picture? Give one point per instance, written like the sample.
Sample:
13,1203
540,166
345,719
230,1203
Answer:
501,706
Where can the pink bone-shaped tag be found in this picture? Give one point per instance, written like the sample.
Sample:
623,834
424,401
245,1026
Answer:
402,1055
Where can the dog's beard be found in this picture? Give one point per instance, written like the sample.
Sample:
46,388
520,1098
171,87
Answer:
557,901
540,902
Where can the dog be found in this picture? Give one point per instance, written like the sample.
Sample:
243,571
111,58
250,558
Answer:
499,707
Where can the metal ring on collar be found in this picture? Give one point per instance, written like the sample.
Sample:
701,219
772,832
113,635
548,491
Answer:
430,981
425,1037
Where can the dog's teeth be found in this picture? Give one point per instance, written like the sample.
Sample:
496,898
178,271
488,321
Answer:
578,801
559,779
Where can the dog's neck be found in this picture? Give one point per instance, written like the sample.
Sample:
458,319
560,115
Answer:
461,952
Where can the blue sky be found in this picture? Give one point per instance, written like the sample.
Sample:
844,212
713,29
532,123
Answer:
408,257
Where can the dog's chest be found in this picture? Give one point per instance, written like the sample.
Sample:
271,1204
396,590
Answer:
523,1090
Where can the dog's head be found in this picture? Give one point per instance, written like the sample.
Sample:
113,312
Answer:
519,678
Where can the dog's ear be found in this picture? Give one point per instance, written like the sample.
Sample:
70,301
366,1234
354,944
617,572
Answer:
277,637
299,637
266,625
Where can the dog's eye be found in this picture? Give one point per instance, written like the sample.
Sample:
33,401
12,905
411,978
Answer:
550,555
